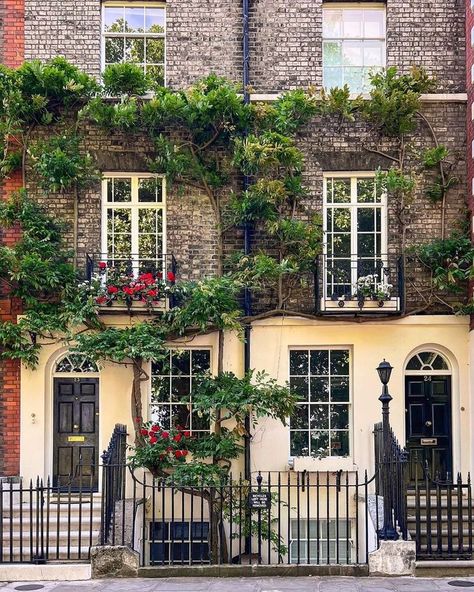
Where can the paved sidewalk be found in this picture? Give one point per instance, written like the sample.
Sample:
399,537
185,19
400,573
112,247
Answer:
303,584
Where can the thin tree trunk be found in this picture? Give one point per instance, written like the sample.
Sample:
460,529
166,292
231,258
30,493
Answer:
136,399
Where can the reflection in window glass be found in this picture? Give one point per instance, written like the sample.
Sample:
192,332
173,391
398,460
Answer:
320,425
171,390
136,34
353,46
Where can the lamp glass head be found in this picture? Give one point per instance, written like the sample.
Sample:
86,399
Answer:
384,370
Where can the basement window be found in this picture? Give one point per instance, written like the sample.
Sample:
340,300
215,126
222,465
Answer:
179,542
325,536
353,45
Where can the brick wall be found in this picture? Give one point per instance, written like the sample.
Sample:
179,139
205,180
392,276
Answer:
64,27
12,55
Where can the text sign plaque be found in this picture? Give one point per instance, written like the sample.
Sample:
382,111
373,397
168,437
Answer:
259,500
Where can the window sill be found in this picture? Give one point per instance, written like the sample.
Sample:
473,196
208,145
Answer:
334,463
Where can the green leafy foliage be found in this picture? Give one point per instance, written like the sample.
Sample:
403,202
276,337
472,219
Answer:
451,261
61,165
433,156
395,100
125,79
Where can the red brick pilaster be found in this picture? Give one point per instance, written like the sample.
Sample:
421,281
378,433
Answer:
470,121
12,33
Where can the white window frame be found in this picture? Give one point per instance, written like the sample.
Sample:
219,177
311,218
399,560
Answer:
358,6
104,33
150,372
303,542
134,205
354,206
334,458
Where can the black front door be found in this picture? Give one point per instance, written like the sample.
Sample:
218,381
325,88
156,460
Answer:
428,425
76,432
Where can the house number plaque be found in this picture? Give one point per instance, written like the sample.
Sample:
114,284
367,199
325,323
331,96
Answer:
429,441
259,500
76,438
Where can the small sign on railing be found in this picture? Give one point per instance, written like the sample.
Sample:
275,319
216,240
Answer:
259,500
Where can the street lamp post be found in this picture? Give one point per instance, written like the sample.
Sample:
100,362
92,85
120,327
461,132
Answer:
388,531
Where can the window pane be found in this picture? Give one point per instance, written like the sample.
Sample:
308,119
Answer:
160,389
373,53
340,389
340,443
134,50
122,190
374,23
319,362
181,362
149,190
341,191
121,220
113,19
341,245
113,50
352,53
180,388
319,416
352,26
299,386
365,220
366,190
354,77
341,220
298,362
134,19
299,419
299,443
155,20
201,361
339,417
319,443
366,245
161,414
156,74
320,389
339,362
332,77
155,51
332,21
332,53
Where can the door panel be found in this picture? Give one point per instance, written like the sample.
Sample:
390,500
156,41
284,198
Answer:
428,425
75,442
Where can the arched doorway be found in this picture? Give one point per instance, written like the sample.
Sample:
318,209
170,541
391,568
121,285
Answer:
75,422
428,410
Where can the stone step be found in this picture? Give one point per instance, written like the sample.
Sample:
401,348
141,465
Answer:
73,552
444,568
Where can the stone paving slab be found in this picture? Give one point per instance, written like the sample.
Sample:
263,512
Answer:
300,584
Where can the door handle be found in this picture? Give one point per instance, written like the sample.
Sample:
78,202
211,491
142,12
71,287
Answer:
76,427
428,424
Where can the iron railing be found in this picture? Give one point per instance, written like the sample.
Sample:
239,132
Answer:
317,518
113,481
41,521
391,476
440,516
358,284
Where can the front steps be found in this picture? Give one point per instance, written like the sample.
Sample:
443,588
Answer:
70,527
445,530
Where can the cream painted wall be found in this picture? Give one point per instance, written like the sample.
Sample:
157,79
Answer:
271,340
115,383
369,342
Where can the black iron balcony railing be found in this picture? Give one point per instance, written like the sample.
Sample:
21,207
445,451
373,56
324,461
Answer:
359,284
133,281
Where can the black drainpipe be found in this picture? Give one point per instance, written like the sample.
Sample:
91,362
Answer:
247,229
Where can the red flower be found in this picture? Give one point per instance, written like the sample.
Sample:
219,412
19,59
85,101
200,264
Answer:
146,278
165,435
169,449
184,452
128,290
139,287
162,456
102,265
144,432
177,438
152,293
159,275
138,419
171,277
155,428
153,440
112,289
187,434
178,453
101,299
